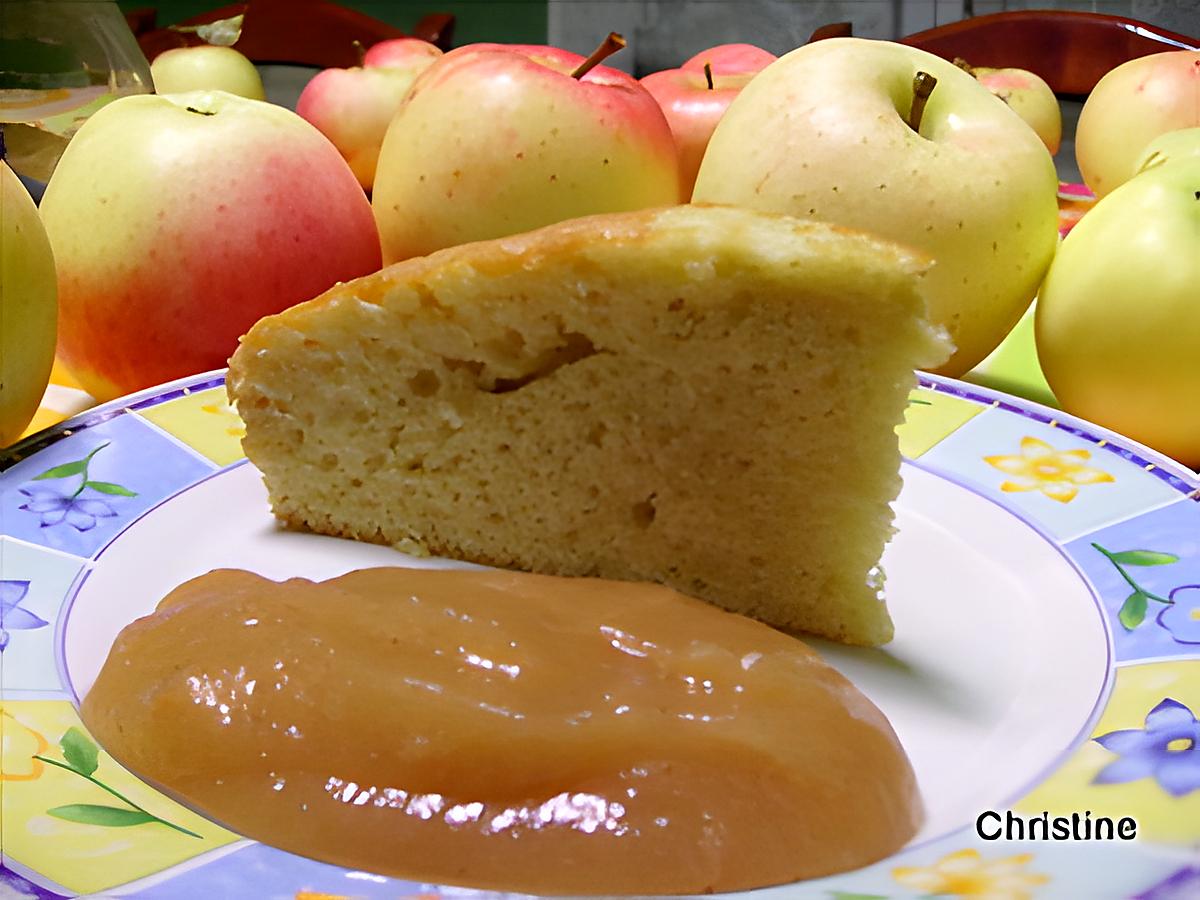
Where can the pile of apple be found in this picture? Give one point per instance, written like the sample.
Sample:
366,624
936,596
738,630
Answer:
179,220
1118,317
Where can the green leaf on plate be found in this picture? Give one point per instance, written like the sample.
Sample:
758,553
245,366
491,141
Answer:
1133,611
1144,558
79,751
63,471
107,487
105,816
72,468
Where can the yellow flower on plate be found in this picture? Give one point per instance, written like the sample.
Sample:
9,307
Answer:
229,415
18,747
1040,467
965,873
204,421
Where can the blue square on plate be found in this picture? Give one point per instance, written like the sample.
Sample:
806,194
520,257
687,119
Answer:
256,870
32,587
1157,554
79,493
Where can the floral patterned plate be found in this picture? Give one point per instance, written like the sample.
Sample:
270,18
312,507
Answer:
1045,582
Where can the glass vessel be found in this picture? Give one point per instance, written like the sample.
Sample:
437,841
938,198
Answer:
60,61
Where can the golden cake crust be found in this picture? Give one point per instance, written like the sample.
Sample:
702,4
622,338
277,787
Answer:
700,396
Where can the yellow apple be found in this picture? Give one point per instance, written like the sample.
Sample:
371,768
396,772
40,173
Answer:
28,307
1134,103
825,133
1030,98
206,68
1118,322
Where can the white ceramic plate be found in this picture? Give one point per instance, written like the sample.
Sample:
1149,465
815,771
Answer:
1010,643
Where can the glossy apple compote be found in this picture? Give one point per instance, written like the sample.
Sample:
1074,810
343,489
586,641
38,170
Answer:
506,731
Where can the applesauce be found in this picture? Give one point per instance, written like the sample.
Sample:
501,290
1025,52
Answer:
505,731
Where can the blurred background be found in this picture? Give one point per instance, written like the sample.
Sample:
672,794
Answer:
664,32
667,31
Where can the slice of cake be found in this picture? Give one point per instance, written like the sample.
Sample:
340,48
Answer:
700,396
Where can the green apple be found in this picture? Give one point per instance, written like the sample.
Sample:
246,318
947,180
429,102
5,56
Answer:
1013,366
1118,322
28,307
1131,105
827,133
206,68
1169,146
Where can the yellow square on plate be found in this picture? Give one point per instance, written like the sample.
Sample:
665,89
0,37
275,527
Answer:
205,422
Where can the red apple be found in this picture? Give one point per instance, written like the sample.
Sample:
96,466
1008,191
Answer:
353,107
401,53
694,100
731,59
498,139
177,221
1129,107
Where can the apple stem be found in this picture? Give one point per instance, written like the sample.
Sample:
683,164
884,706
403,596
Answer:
923,85
360,51
607,48
708,74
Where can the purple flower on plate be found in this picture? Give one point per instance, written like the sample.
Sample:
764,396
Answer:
55,508
1183,884
1182,617
1167,749
16,887
12,616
